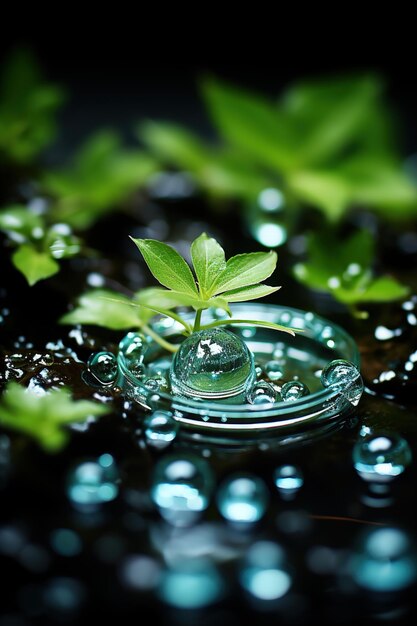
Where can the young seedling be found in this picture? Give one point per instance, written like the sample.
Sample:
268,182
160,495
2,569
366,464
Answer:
215,283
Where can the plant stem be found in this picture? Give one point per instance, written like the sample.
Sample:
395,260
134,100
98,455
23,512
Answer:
197,321
162,342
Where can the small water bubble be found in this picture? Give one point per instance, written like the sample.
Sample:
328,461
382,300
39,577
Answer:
93,482
273,370
293,390
258,371
156,383
262,392
381,457
242,498
160,429
103,365
181,488
288,480
344,376
133,347
66,542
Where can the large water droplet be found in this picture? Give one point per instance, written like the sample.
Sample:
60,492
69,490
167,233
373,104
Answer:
181,488
213,364
381,457
385,560
93,482
103,365
344,376
242,498
265,574
160,429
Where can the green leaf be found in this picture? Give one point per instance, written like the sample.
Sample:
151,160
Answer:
328,191
252,124
208,260
174,144
106,308
382,184
245,269
249,293
168,299
45,417
167,266
33,264
332,113
385,289
272,325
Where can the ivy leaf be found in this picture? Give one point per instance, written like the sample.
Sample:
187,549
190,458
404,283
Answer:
45,417
328,191
167,266
264,324
209,261
245,269
35,265
106,308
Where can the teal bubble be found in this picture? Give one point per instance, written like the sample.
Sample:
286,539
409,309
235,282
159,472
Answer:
93,482
66,542
384,560
242,498
345,377
191,584
103,365
264,573
293,390
381,457
262,392
160,429
288,478
181,488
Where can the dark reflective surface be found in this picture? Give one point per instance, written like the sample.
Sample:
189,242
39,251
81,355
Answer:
122,557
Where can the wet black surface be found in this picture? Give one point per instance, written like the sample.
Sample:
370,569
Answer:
319,528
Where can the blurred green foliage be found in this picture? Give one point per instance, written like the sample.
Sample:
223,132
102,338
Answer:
28,108
101,177
345,269
330,144
46,417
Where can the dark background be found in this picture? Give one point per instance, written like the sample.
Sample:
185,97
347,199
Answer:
116,82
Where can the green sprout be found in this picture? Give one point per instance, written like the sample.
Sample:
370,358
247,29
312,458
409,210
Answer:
215,284
45,417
